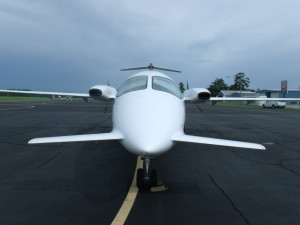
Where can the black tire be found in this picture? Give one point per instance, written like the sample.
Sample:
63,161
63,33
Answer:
153,178
139,178
273,106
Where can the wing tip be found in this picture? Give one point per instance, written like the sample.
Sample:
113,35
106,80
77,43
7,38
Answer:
262,148
32,141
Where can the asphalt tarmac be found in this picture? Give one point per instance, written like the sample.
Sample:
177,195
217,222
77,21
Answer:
86,183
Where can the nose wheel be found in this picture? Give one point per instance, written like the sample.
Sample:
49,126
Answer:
146,177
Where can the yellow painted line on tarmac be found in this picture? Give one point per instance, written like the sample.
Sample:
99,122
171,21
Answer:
130,198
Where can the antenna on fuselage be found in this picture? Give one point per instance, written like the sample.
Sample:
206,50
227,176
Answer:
151,67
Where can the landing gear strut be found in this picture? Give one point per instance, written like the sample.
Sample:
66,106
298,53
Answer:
146,177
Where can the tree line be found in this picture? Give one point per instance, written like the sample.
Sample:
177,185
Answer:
240,82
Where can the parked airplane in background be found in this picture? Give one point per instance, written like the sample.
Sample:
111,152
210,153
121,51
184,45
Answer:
68,98
148,117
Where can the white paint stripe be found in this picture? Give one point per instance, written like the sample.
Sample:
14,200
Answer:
130,198
26,107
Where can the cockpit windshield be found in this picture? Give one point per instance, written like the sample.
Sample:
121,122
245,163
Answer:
133,84
166,85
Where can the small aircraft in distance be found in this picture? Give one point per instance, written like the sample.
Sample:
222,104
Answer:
68,98
148,117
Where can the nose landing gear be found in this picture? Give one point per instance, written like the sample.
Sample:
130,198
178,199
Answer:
146,178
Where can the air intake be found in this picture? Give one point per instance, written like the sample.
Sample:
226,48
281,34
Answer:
95,92
204,95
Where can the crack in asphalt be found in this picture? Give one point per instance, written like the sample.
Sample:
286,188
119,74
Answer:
229,199
9,143
271,131
292,171
50,159
280,164
81,131
43,127
193,130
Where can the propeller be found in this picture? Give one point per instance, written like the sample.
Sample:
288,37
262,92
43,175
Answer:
107,103
151,67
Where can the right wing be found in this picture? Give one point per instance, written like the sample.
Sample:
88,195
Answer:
114,135
48,93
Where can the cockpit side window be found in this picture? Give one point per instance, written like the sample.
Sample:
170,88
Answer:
166,85
133,84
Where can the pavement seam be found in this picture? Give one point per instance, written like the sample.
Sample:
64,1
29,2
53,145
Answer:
292,171
272,164
82,131
229,199
50,159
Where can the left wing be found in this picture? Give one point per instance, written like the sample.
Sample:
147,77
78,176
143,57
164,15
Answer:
181,137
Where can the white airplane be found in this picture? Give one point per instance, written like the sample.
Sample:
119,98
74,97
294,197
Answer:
148,117
68,98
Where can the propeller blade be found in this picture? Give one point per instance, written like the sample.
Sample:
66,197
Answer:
151,67
106,106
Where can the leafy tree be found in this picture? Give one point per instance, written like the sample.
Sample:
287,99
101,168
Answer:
241,82
181,87
216,86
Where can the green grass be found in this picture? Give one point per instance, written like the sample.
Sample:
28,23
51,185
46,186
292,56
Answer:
250,106
236,104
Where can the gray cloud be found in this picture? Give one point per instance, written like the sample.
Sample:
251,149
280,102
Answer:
72,45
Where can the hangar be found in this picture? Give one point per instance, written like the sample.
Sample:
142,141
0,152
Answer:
276,93
236,93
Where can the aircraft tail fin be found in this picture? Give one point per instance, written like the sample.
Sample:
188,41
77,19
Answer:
114,135
215,141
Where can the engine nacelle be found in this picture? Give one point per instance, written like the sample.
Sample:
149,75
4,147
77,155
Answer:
102,92
197,95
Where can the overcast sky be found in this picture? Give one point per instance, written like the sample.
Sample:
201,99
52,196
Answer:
70,45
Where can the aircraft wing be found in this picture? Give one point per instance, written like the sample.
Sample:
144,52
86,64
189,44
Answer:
48,93
114,135
251,99
215,141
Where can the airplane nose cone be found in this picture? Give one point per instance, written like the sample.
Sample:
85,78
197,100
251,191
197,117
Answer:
148,123
148,145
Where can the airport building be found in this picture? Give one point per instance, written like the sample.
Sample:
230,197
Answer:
269,93
276,93
236,93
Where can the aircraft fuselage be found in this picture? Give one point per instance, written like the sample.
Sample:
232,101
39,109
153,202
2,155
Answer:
148,118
